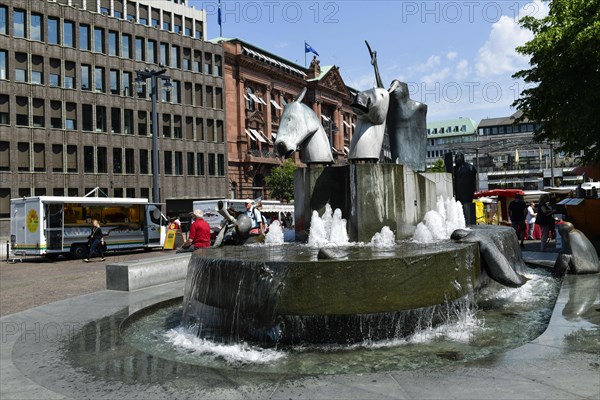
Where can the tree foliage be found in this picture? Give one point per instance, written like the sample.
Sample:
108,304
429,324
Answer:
438,166
281,181
565,76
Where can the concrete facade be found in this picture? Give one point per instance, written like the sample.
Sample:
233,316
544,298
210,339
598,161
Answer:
71,118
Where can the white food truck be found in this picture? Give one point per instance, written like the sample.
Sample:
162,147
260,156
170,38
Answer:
54,225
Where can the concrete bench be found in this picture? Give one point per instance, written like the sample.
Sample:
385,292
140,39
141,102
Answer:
139,274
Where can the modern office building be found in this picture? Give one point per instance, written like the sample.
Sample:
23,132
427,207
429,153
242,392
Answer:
258,84
451,135
72,118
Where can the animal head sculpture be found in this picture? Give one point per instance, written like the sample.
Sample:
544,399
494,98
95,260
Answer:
300,127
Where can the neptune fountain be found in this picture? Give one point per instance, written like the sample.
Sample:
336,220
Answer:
298,293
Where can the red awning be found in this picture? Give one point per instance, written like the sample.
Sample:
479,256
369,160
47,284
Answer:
499,193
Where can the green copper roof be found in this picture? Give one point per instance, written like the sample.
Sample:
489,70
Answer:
452,127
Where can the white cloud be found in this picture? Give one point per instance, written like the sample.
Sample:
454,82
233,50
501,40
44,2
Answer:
436,76
451,55
498,56
463,70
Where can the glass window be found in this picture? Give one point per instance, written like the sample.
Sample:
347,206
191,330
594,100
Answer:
221,164
126,82
128,121
115,120
3,64
200,163
84,37
191,166
85,77
129,165
126,45
36,27
114,81
211,164
3,14
99,40
36,77
20,75
164,53
143,161
151,51
87,114
139,49
100,119
88,159
102,160
168,162
113,43
53,30
178,163
117,160
99,79
19,28
175,57
69,34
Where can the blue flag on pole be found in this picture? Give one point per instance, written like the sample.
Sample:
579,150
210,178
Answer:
219,14
309,49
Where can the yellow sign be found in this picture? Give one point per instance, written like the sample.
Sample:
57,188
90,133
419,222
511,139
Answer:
32,221
170,239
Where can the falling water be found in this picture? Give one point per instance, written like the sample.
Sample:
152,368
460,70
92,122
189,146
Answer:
275,234
384,239
440,223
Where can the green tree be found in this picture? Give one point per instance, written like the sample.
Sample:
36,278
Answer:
565,74
438,166
281,181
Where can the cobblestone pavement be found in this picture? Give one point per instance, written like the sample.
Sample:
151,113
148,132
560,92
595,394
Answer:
36,281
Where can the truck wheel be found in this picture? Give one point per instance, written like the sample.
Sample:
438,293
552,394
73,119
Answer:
78,251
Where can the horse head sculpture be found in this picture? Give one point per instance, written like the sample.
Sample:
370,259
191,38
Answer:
300,127
371,108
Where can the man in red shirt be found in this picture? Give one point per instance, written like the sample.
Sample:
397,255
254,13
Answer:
199,235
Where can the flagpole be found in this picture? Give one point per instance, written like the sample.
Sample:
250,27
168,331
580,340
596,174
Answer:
220,22
305,54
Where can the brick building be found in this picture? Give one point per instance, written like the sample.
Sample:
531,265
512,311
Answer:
258,84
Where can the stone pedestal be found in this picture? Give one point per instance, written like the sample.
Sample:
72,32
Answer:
370,197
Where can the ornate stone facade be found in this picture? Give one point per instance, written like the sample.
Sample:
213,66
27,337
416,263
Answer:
258,84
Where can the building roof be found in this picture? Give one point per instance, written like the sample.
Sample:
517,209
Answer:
456,126
487,122
264,55
324,70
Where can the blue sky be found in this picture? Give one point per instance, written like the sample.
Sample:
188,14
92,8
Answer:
456,56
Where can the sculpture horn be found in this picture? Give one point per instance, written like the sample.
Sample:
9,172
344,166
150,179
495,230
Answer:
301,95
394,85
375,67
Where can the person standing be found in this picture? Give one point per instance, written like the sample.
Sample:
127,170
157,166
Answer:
530,220
256,217
544,219
95,241
517,211
199,235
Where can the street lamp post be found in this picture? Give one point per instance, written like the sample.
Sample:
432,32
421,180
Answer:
142,77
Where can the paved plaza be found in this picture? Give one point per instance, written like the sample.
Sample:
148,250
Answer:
35,339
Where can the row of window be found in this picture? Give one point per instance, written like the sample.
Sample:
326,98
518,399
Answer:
63,158
32,26
96,39
95,79
449,129
501,130
100,118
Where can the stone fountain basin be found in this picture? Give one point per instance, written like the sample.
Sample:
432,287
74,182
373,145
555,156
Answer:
269,281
